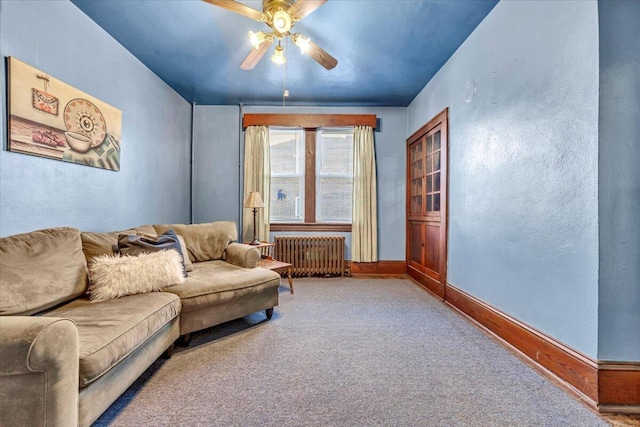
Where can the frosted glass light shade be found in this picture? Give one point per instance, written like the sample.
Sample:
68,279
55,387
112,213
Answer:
257,38
278,56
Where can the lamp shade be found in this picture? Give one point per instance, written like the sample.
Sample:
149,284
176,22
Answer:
257,38
301,41
254,200
278,56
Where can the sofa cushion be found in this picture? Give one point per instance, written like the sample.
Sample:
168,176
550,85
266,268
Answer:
188,266
134,245
108,331
148,230
115,276
214,282
41,269
205,242
96,244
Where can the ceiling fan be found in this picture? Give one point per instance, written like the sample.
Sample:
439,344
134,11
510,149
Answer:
280,16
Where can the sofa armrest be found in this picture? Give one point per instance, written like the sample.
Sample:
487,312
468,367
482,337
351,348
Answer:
242,255
39,361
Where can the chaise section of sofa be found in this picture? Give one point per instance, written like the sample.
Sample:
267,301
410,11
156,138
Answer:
217,291
225,283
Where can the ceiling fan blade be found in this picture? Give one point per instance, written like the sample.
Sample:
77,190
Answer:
321,56
236,7
302,8
255,55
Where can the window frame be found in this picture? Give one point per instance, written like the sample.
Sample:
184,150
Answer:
310,124
310,201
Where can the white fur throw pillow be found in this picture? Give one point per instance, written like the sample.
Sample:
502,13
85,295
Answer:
114,276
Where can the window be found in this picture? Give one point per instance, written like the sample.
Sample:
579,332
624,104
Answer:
311,176
287,175
334,175
311,168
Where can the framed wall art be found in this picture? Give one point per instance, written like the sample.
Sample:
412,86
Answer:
49,118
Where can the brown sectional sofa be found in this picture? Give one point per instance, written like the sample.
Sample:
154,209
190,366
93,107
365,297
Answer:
64,359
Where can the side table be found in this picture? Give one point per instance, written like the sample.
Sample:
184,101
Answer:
277,266
265,248
267,261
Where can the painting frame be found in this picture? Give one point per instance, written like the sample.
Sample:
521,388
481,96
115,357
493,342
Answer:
48,118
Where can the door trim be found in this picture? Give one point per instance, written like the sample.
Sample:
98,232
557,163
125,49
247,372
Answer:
437,286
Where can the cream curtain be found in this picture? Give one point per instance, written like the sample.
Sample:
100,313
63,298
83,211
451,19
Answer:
364,228
257,177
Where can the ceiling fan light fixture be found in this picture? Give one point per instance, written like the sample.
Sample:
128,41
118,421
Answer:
278,56
281,21
257,38
280,16
302,42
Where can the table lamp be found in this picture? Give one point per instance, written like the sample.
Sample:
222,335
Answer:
254,201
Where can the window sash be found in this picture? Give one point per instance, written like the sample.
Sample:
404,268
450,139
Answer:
327,214
294,202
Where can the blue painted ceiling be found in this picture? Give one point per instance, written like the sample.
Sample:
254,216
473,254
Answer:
387,50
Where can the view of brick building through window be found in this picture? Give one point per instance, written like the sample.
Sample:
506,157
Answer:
332,153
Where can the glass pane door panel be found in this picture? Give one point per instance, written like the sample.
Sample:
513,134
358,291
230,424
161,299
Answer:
416,153
416,170
436,182
429,145
436,141
416,205
416,187
436,161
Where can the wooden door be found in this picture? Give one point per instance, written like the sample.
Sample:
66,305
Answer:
427,204
416,208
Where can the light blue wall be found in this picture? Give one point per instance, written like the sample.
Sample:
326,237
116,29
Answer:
619,176
218,157
153,183
216,152
523,218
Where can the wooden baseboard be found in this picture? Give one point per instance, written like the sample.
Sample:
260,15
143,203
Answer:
427,282
379,268
619,387
573,368
606,386
620,409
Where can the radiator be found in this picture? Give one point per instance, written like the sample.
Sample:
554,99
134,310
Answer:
312,255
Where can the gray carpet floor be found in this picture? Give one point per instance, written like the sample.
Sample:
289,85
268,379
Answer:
347,352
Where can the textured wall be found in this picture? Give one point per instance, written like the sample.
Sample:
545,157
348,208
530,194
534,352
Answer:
523,218
216,175
619,180
217,162
153,183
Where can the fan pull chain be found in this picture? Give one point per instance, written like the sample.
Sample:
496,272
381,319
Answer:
285,92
